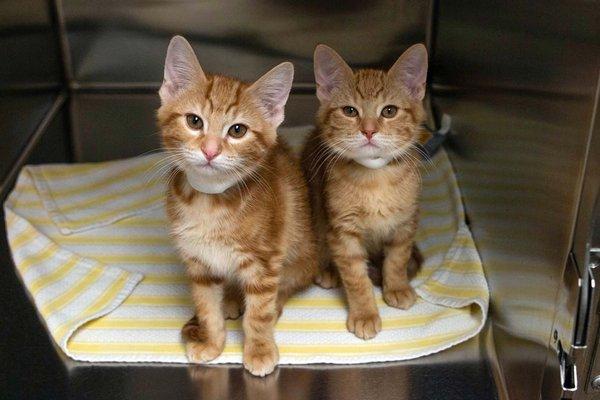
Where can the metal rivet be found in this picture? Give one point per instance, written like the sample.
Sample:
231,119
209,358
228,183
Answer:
596,383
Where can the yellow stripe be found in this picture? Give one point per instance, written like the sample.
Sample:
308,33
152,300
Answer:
400,347
11,219
140,221
135,258
23,237
137,300
169,279
54,276
133,239
185,300
162,239
426,213
459,292
108,296
96,200
100,184
437,230
404,321
133,206
37,258
72,293
69,170
438,198
430,181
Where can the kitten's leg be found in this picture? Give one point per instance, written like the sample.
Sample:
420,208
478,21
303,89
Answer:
351,259
233,303
296,276
397,291
327,277
205,339
260,286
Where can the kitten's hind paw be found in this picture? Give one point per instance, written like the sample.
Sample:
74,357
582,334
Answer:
232,309
327,279
364,325
402,298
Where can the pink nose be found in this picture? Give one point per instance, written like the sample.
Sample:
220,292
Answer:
210,154
368,133
211,149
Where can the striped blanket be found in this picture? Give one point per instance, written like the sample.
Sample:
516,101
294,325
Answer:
91,246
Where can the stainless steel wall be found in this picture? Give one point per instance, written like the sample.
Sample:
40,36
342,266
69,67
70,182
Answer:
124,42
120,46
30,80
519,80
28,46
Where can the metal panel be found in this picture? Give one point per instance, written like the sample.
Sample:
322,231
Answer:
117,125
521,45
125,42
28,43
30,367
519,81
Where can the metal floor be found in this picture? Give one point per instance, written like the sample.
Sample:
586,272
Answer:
33,368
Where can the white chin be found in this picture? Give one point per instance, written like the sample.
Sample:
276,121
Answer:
209,183
373,162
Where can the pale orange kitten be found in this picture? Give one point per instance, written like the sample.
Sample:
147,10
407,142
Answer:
360,163
238,203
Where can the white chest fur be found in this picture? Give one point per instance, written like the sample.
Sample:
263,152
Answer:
198,234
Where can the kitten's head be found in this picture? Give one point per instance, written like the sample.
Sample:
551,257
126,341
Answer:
217,128
371,114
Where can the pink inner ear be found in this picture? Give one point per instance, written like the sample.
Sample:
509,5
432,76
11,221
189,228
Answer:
272,90
411,71
181,68
330,71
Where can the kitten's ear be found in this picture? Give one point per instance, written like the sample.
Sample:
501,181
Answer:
271,92
410,71
181,69
331,71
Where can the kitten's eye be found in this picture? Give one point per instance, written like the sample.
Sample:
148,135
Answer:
389,111
237,131
194,121
350,111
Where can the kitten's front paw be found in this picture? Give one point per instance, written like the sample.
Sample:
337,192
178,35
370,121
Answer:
201,352
402,298
364,325
260,358
327,279
199,347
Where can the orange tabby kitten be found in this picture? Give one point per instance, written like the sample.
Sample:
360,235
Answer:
237,205
360,163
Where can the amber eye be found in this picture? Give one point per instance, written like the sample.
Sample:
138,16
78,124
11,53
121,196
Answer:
350,111
389,111
194,121
237,131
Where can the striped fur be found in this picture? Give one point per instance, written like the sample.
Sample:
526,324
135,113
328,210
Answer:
251,246
360,213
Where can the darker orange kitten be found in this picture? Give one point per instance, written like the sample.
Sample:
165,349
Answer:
237,205
360,163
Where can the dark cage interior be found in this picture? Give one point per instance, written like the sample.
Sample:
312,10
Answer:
520,80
